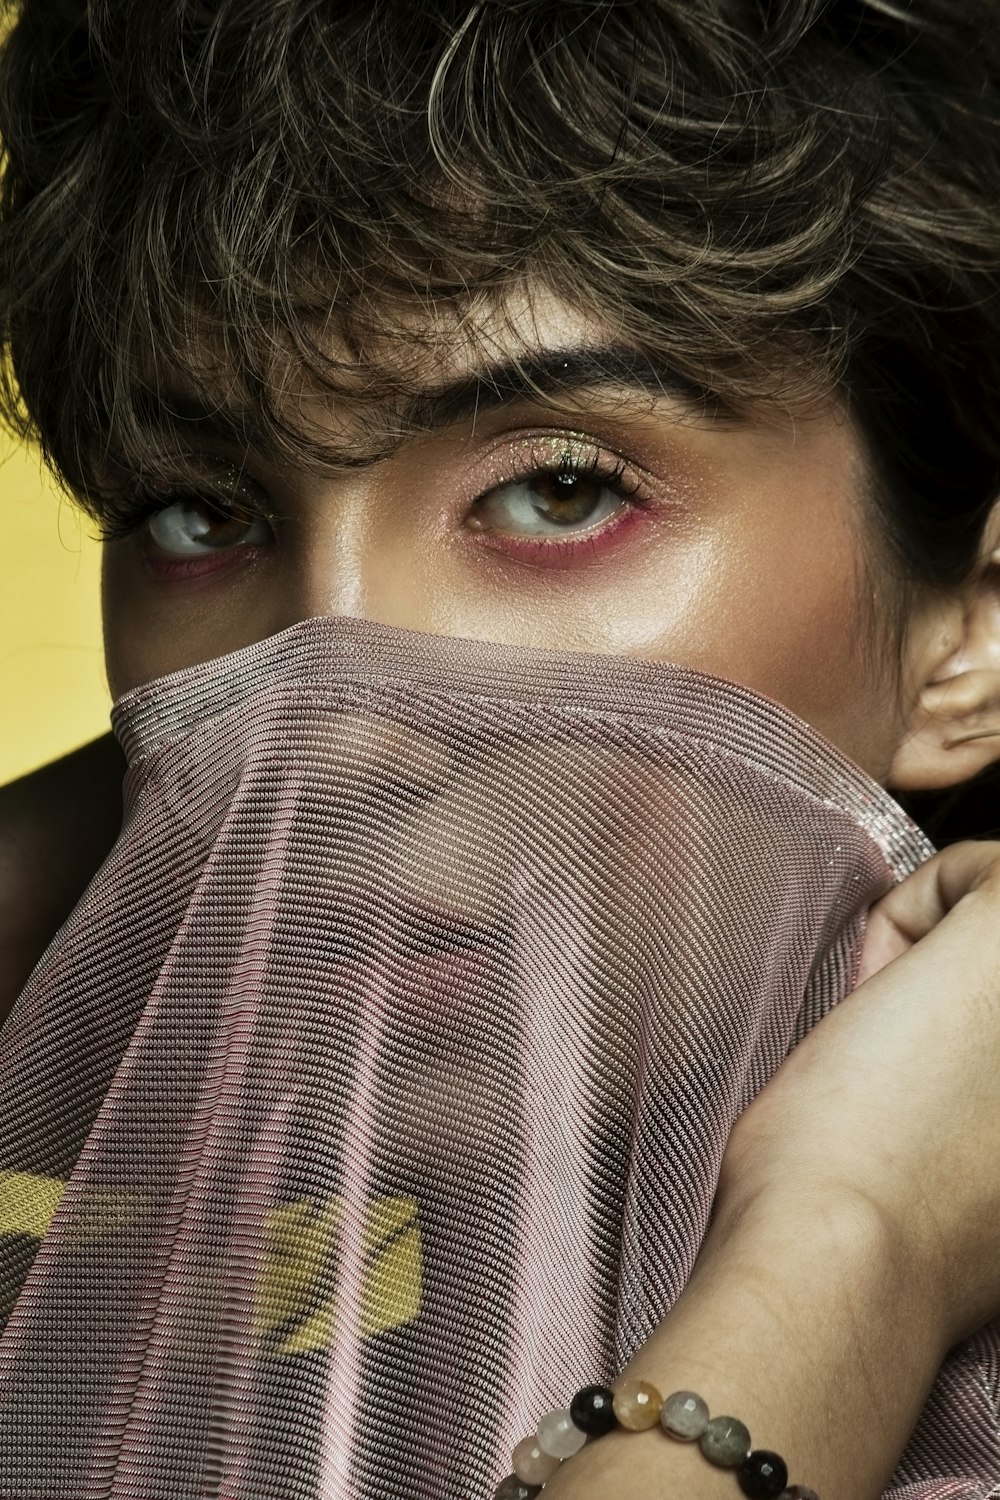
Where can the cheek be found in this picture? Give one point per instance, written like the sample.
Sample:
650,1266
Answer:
799,640
149,632
786,612
786,617
123,645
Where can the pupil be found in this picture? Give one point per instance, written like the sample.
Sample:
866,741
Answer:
212,519
566,499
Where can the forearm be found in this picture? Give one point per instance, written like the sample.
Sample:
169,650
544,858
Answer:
819,1324
56,826
811,1329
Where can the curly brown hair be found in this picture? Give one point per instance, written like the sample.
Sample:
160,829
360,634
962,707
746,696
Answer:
773,197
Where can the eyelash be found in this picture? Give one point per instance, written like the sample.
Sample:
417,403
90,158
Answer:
125,513
587,463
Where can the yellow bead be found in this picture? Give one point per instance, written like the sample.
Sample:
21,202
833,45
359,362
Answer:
637,1405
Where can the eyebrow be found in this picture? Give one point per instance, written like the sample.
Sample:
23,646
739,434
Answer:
553,373
539,377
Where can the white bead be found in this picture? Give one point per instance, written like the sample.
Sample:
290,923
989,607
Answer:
531,1465
558,1435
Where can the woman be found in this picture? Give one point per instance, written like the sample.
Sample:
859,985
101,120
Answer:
652,334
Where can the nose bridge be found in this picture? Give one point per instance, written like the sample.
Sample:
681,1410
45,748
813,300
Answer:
334,553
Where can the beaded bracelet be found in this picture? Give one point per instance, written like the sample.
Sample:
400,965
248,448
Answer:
636,1405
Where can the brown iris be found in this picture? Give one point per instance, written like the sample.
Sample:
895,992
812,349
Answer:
567,499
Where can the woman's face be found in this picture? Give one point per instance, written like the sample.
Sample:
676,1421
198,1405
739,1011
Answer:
627,522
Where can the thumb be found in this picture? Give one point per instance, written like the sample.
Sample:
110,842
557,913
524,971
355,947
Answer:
918,904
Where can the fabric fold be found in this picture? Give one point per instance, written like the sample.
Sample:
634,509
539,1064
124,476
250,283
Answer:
373,1098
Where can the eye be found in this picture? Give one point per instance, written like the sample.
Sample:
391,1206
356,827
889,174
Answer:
195,515
554,501
194,527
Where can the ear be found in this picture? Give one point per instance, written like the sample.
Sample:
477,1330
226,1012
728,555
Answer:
954,729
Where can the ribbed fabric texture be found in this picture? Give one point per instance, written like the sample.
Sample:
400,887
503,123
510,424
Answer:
373,1098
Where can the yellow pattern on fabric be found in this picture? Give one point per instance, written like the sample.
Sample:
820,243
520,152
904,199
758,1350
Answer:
391,1293
28,1203
301,1238
298,1247
100,1211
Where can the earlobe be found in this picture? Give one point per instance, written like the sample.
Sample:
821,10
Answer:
954,730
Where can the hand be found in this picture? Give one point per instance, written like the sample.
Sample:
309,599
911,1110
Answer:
855,1230
892,1103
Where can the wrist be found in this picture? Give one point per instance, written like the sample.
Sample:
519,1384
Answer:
802,1320
829,1340
822,1240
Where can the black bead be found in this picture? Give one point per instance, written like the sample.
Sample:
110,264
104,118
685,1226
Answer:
762,1474
593,1411
513,1488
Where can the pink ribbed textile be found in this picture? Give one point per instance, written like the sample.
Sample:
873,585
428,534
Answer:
372,1099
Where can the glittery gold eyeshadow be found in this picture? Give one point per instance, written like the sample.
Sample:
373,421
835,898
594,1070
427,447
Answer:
544,456
530,454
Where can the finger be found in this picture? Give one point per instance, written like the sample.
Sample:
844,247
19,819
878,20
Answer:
920,902
915,907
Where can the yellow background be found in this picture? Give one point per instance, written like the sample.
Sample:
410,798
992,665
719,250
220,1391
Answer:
53,693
